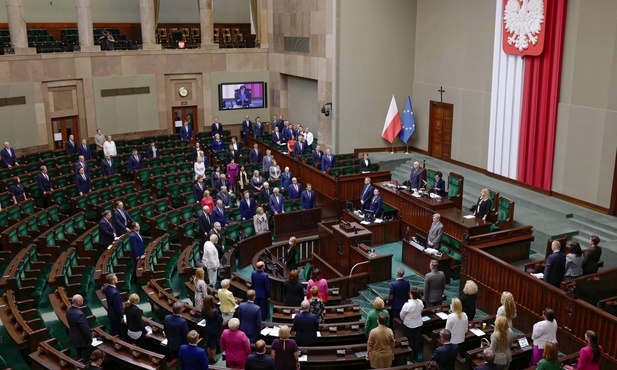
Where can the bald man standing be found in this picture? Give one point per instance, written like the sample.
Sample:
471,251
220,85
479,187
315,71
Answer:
79,331
261,284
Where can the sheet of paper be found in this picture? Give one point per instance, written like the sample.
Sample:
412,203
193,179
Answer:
202,323
164,342
442,315
265,331
148,329
539,275
425,318
523,342
303,358
469,217
477,332
96,342
318,334
274,332
293,315
360,354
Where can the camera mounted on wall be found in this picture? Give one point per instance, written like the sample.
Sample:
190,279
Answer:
326,108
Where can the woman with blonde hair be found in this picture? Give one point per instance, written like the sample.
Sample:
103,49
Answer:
285,351
228,301
260,221
236,345
136,329
317,305
507,308
371,318
201,288
501,341
457,322
468,299
207,200
484,205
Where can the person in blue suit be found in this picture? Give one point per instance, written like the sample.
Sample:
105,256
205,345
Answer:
416,176
247,127
135,162
367,194
277,203
198,189
258,127
217,127
250,317
137,248
308,198
8,156
176,330
294,190
286,177
218,213
306,326
186,131
217,143
84,149
71,145
107,233
82,181
440,185
255,154
192,357
46,185
261,284
115,308
301,147
555,267
204,223
327,161
122,219
376,203
445,356
259,360
108,165
81,163
248,208
399,293
153,151
79,330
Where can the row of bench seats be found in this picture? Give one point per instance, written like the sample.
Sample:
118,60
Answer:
27,274
72,272
25,231
58,237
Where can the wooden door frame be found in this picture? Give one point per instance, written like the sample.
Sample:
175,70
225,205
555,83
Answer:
434,103
63,120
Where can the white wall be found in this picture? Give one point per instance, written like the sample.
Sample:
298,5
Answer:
304,107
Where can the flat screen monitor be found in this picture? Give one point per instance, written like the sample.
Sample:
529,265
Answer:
349,206
369,216
243,95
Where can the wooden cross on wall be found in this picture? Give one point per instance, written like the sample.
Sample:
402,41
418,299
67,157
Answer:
441,91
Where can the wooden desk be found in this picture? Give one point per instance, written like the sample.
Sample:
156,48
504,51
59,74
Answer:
249,247
346,333
47,357
414,257
297,222
340,313
384,232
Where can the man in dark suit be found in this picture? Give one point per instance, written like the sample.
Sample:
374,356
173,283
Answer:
79,330
247,127
71,146
306,326
231,153
264,193
367,194
224,197
287,131
222,181
248,208
280,123
277,137
45,185
399,293
259,360
84,149
255,154
192,356
82,181
555,267
122,219
8,156
115,308
250,317
153,151
261,284
176,330
489,359
592,256
137,249
81,163
294,190
258,127
218,213
217,127
277,203
216,230
435,233
327,161
317,155
434,285
186,131
416,176
107,233
300,147
376,204
308,198
108,165
198,189
135,162
445,355
196,150
204,223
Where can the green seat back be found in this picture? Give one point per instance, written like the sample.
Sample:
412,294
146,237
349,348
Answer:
453,186
504,209
430,176
161,206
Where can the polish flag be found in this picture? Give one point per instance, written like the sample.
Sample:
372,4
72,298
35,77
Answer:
392,126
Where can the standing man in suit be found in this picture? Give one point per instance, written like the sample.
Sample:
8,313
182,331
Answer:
79,330
399,293
211,260
294,190
258,127
317,155
267,159
108,165
204,223
8,156
198,189
327,161
435,233
277,137
306,326
81,163
45,186
153,151
135,162
434,285
416,176
115,308
137,249
367,194
261,284
555,267
71,146
280,123
186,131
216,230
249,314
247,127
84,149
82,181
277,203
176,330
445,355
122,219
376,204
592,256
300,147
99,141
218,213
222,181
264,193
259,360
232,153
255,154
107,233
308,198
248,208
217,127
192,356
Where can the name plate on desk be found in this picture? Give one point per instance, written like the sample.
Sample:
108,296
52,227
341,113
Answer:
355,327
335,292
340,352
332,329
523,343
340,310
287,312
356,308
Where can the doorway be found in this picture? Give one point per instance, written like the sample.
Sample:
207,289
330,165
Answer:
182,113
440,131
61,128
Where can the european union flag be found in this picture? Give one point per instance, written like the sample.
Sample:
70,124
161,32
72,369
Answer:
408,121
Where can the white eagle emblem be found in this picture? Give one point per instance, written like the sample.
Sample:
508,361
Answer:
523,22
